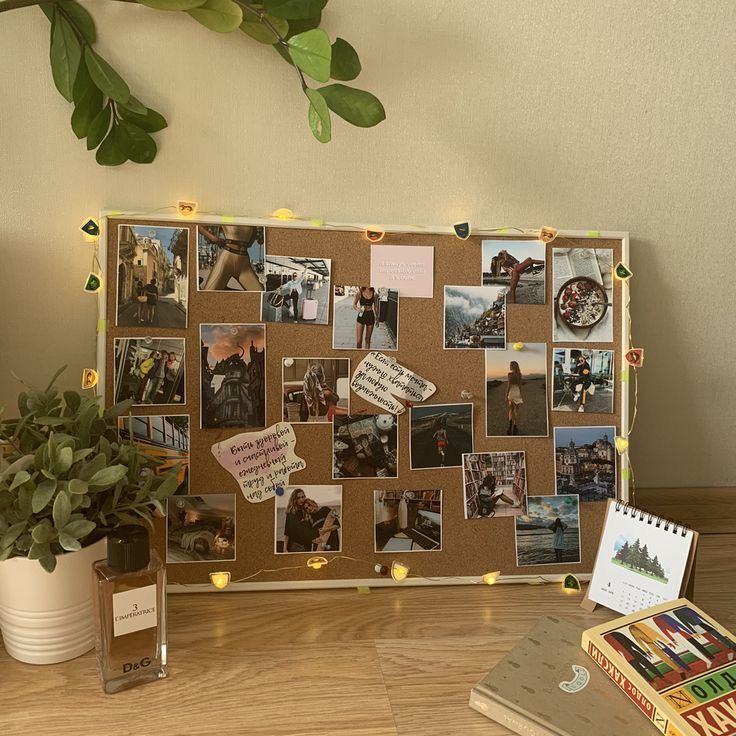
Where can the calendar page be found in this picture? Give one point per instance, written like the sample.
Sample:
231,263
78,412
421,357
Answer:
641,562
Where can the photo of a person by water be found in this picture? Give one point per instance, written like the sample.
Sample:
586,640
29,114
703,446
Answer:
439,435
549,532
516,391
517,264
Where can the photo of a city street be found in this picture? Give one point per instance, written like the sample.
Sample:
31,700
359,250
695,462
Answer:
585,462
153,277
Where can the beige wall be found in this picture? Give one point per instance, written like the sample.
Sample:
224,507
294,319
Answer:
606,115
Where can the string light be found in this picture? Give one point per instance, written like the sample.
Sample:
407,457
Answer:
490,578
90,378
317,563
547,234
375,235
220,579
93,283
91,229
570,584
186,209
283,213
622,272
399,571
462,230
622,444
635,357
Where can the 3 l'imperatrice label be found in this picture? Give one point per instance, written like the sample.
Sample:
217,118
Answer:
133,610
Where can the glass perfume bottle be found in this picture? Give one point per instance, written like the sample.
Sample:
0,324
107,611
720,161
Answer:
130,608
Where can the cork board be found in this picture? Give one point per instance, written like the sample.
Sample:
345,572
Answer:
469,547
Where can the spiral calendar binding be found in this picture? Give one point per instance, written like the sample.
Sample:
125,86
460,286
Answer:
658,521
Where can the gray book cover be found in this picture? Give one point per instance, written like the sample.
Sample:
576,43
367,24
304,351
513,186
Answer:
548,686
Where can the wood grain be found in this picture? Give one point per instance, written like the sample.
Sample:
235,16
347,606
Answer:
396,661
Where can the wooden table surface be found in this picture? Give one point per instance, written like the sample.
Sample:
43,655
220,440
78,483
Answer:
397,660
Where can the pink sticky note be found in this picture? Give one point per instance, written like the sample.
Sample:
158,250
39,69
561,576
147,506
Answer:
406,268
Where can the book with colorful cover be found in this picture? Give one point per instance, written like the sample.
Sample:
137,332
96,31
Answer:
547,686
676,664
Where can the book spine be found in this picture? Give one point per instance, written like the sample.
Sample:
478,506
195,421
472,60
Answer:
661,719
511,719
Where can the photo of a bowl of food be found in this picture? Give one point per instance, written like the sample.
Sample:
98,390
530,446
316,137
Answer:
581,302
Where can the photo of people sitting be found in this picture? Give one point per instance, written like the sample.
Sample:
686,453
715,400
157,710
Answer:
315,389
149,370
308,520
494,484
201,528
582,380
408,521
365,446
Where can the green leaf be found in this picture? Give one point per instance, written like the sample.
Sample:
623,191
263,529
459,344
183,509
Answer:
72,398
135,143
167,488
294,9
62,510
43,533
110,152
82,454
135,105
39,550
48,562
82,83
19,479
345,62
77,486
79,528
98,128
97,463
69,543
306,24
12,533
64,460
172,4
106,79
81,18
261,32
108,476
151,122
42,495
223,16
312,53
65,54
86,110
319,116
50,421
357,106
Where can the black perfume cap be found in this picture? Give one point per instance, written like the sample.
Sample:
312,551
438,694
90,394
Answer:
128,548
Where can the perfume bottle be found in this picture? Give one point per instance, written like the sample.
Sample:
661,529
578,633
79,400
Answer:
130,608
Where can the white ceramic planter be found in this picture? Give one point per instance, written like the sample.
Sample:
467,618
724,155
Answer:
48,618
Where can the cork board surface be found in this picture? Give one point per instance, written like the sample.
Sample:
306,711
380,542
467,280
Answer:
469,547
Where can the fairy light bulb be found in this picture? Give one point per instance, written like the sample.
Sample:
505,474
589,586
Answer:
399,571
220,579
374,234
622,444
316,563
90,229
490,578
283,213
518,346
570,584
90,378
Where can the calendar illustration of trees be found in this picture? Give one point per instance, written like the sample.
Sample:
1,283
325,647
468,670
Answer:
638,559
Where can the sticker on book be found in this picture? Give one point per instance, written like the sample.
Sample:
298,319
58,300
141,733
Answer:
262,461
580,679
382,381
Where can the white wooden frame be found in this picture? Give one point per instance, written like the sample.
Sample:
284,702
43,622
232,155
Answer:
623,385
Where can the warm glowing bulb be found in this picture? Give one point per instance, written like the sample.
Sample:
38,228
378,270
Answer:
622,272
570,584
374,234
90,378
93,283
316,563
547,234
399,571
283,214
490,577
185,208
518,346
220,579
622,444
90,229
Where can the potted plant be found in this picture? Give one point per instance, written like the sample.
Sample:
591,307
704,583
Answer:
66,480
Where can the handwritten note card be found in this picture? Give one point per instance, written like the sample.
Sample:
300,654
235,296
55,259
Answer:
380,379
260,461
407,268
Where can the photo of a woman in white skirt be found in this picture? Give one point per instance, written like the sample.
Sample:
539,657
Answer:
513,397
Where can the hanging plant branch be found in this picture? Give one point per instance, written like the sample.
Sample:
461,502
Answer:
118,125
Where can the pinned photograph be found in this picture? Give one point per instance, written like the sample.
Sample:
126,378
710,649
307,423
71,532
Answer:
439,435
365,318
516,391
149,370
583,294
308,519
408,521
233,376
297,290
201,528
315,389
153,276
494,484
518,265
585,462
164,440
475,317
549,532
365,446
582,380
230,257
